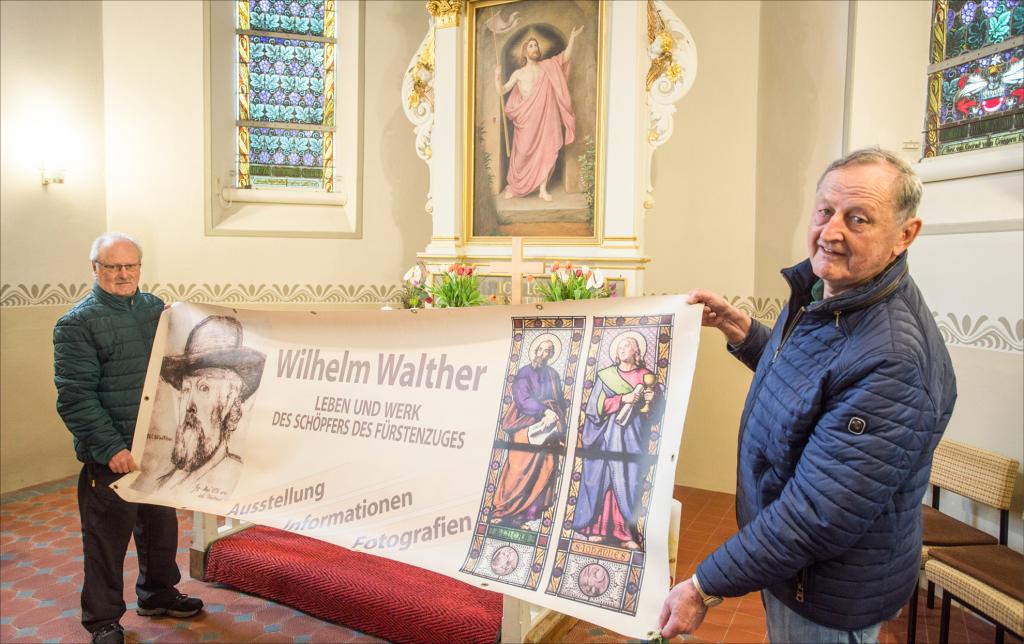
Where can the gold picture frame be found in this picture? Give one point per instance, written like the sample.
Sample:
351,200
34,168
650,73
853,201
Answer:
529,181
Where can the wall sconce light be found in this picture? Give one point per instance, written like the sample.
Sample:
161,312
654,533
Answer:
51,174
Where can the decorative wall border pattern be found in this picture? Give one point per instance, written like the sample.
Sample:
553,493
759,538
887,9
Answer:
21,295
17,295
972,331
981,333
765,309
976,332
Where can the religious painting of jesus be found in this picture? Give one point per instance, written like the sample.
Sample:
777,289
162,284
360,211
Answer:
534,120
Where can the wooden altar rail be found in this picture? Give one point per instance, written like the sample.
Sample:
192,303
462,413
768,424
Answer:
207,528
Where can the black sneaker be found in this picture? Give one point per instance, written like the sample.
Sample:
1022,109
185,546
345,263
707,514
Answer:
109,634
179,606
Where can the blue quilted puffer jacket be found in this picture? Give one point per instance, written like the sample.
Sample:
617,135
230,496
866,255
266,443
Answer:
101,351
849,399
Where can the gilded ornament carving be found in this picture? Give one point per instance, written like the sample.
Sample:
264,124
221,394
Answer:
931,143
670,74
673,64
938,49
661,43
674,72
423,75
418,96
445,12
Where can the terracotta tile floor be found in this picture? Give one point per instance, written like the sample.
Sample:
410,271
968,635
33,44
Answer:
708,520
41,576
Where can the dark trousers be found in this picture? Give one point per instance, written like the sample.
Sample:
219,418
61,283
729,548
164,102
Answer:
108,522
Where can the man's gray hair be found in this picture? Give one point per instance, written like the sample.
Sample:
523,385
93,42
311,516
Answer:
108,238
906,190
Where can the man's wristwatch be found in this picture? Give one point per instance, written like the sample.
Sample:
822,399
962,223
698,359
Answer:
710,601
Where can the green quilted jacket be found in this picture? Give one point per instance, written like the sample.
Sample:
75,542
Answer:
101,351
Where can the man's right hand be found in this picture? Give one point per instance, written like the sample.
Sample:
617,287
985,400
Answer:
731,321
122,463
683,610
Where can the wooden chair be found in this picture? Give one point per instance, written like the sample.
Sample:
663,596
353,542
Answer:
988,580
977,474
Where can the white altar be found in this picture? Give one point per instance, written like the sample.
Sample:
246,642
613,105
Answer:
642,61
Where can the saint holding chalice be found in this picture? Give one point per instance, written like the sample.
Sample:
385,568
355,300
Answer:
625,403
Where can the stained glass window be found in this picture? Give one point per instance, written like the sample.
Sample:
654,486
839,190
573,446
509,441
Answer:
976,76
285,120
973,24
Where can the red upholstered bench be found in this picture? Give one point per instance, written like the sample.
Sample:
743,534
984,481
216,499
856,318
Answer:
380,597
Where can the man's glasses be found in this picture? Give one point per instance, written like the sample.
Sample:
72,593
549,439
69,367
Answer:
117,268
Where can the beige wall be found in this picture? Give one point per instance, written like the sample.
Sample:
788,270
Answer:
886,108
34,444
52,90
802,91
704,176
701,230
733,185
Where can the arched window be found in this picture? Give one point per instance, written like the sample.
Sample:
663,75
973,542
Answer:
976,76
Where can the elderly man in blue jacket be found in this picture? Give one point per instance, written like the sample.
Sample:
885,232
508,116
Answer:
851,392
101,352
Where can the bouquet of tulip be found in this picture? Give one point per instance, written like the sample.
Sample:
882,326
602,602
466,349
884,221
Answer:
459,286
571,283
414,293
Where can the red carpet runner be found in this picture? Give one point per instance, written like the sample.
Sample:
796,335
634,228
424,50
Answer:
377,596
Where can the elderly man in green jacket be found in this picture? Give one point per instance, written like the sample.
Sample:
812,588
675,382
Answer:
101,352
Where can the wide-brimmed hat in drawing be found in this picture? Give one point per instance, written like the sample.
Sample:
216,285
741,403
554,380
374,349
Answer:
216,343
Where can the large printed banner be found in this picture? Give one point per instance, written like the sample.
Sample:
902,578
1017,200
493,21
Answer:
530,450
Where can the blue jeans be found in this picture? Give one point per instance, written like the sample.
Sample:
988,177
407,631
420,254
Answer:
787,627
